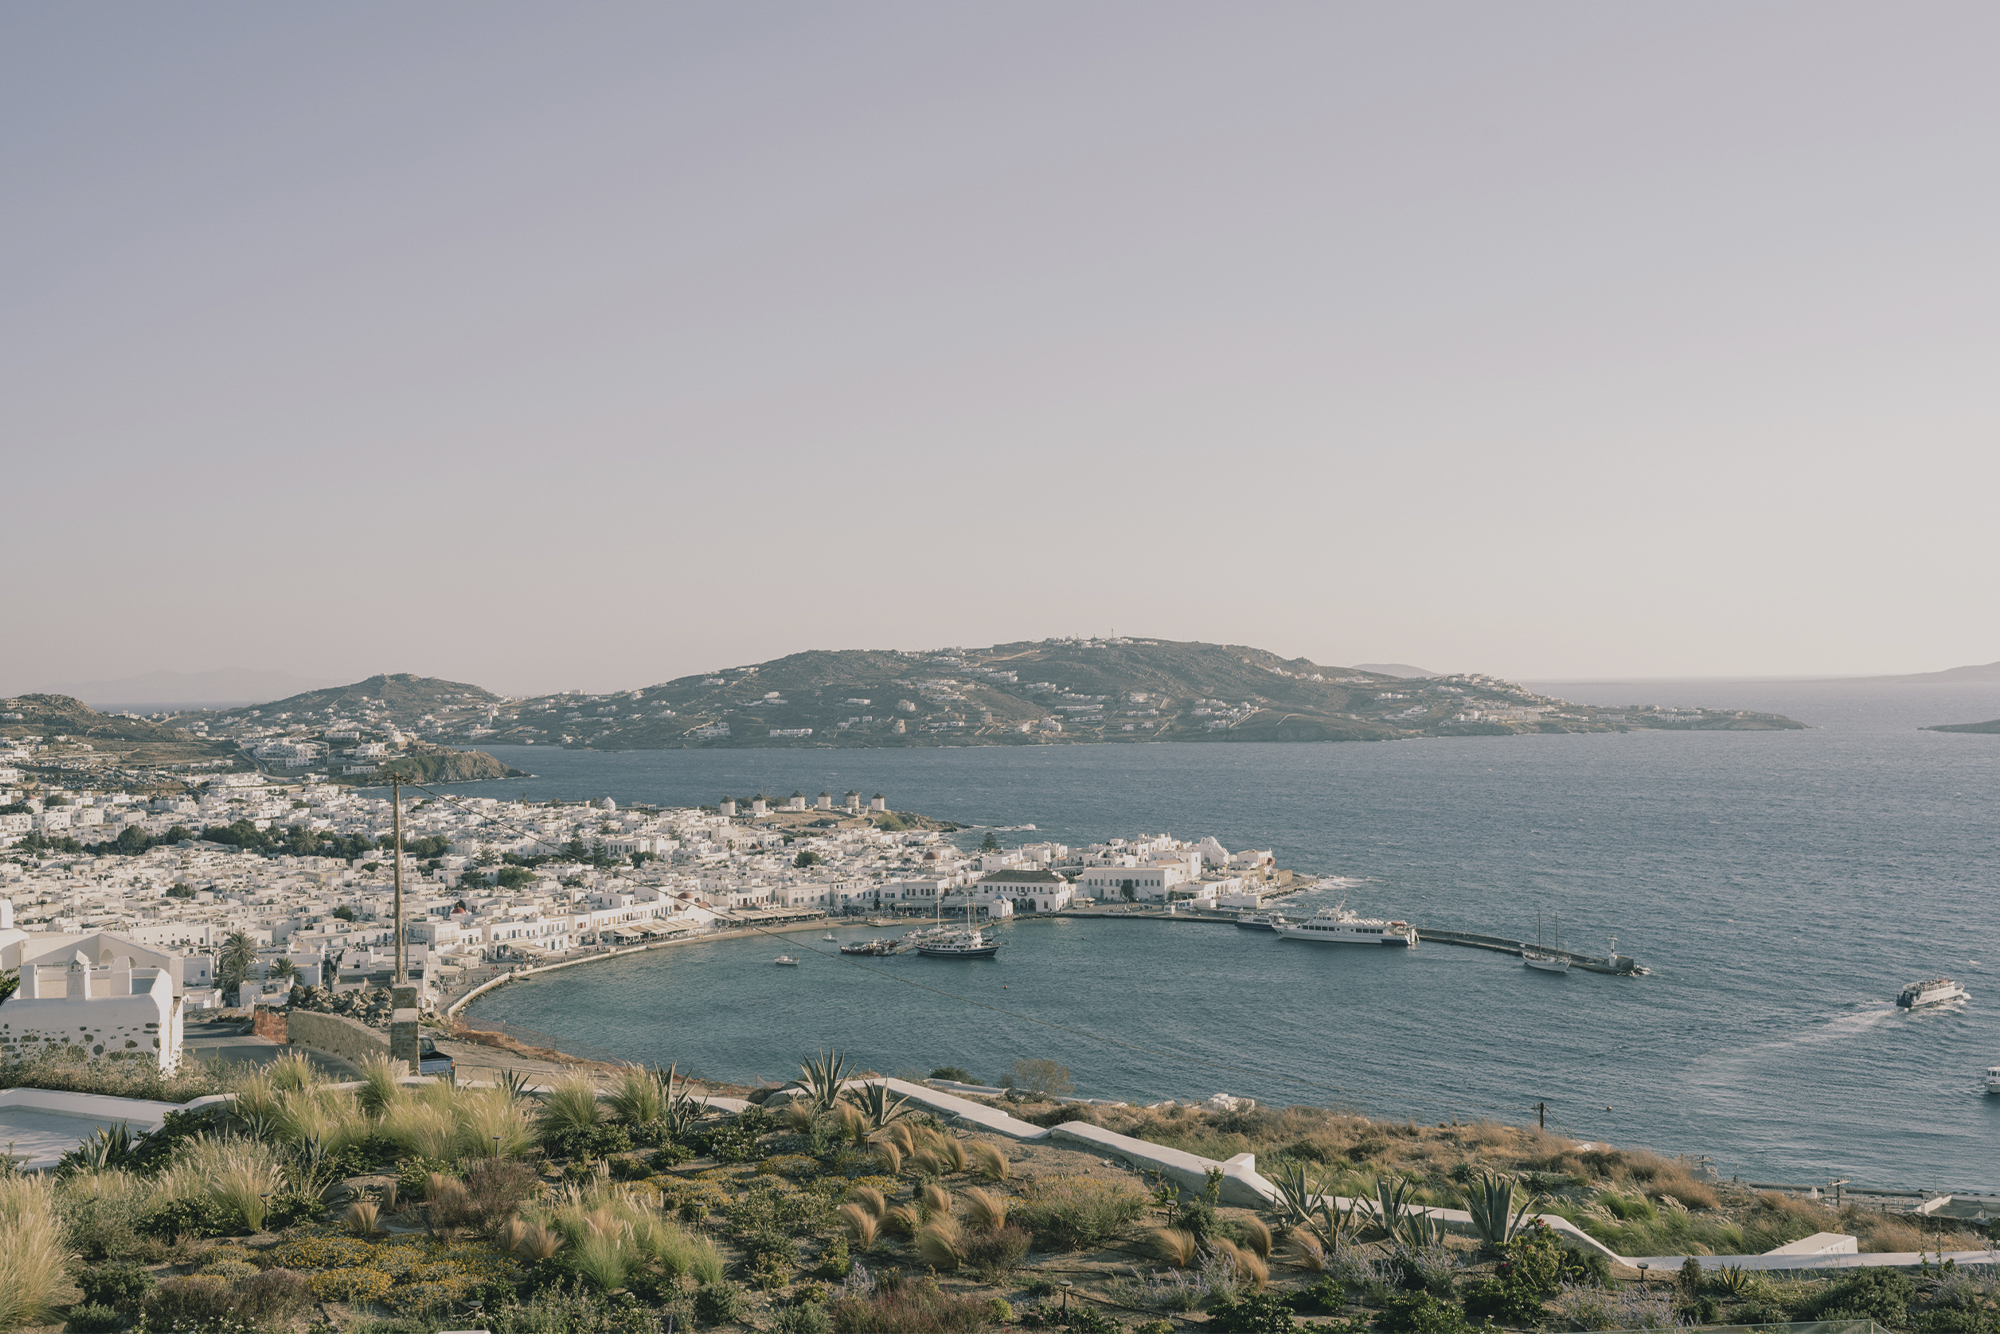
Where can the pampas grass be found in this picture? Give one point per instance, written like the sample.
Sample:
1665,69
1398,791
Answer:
378,1083
939,1241
637,1096
898,1134
34,1267
363,1218
985,1212
993,1163
861,1224
903,1218
537,1242
291,1072
1174,1246
926,1161
421,1129
869,1198
934,1199
1259,1236
891,1158
569,1105
952,1153
491,1125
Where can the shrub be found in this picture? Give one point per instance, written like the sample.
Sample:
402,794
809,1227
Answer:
273,1296
995,1252
94,1319
1881,1295
806,1318
120,1284
1327,1296
197,1302
1421,1313
1071,1213
1255,1313
719,1302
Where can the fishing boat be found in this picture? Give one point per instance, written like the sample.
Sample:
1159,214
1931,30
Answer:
785,961
1937,991
829,936
1339,925
1539,958
1993,1079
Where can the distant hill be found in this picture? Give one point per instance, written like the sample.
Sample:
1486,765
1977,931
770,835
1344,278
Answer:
1983,673
107,735
1057,691
400,700
1991,726
228,685
1402,669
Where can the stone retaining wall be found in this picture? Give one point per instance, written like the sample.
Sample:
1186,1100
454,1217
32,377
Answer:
349,1039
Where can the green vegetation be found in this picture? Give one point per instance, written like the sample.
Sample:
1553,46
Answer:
401,1208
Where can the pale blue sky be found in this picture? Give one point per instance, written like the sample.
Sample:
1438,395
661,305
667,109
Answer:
587,346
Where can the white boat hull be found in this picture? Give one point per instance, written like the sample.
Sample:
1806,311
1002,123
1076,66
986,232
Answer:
1542,963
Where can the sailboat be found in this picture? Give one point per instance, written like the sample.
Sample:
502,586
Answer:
1539,958
971,943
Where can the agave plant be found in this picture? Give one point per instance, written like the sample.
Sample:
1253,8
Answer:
1395,1200
1495,1215
822,1080
1297,1195
107,1147
515,1086
879,1105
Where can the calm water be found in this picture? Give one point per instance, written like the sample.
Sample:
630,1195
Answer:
1781,887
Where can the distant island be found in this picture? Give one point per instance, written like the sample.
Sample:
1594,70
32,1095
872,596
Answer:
1990,726
1046,692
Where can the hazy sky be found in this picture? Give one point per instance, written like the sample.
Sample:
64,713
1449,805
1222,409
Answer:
587,346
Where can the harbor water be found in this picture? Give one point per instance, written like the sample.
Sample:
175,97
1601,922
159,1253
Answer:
1780,886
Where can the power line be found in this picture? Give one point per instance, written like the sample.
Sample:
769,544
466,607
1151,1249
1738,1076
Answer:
1177,1057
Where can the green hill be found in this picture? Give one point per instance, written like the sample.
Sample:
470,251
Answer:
408,703
1062,691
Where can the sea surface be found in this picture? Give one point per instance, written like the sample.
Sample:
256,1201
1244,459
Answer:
1780,886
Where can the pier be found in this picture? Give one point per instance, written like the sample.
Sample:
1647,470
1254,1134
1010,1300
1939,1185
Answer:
1622,965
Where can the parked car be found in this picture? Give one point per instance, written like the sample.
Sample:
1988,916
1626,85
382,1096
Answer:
431,1061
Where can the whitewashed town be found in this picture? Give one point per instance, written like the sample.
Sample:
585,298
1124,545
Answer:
124,948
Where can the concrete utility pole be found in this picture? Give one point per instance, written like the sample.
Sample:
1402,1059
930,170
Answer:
396,796
402,996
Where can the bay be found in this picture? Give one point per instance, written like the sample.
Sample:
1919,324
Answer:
1780,886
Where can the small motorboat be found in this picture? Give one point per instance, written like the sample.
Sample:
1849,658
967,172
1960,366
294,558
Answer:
785,961
829,936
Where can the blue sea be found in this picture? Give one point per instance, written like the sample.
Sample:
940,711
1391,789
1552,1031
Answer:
1780,886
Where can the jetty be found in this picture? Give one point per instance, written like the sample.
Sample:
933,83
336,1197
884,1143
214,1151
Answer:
1615,965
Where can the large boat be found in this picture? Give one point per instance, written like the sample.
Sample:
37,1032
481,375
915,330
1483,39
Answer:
875,946
1937,991
1260,921
1340,926
960,945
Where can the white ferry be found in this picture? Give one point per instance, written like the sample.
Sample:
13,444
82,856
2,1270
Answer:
1340,926
1934,992
1263,921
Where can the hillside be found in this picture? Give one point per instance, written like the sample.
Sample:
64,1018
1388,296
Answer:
72,733
1990,726
438,766
397,700
1057,691
1978,673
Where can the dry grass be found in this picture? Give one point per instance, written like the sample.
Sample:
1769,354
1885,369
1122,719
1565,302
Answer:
934,1199
1250,1267
1258,1233
983,1210
861,1224
1174,1246
33,1262
890,1157
869,1198
993,1165
940,1243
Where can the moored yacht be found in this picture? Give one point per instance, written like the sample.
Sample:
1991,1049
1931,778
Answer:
960,945
1340,926
1259,921
1934,992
